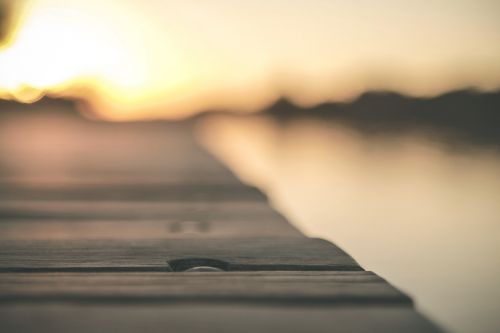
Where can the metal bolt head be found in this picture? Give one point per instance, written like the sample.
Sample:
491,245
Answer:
204,269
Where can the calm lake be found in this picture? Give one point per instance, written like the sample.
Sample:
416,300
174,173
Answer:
423,214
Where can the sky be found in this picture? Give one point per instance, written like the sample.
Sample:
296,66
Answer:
161,59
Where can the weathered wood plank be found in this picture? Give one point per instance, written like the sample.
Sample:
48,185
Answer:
131,192
58,230
264,287
51,144
248,210
207,318
293,253
65,220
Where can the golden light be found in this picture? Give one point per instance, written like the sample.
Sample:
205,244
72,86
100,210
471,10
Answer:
84,49
148,59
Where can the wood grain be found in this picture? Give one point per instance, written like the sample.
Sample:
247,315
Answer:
248,210
58,230
243,254
220,318
264,287
131,192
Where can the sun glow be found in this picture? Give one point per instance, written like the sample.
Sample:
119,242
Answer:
85,50
131,59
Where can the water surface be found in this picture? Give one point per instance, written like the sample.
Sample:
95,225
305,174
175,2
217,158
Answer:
422,213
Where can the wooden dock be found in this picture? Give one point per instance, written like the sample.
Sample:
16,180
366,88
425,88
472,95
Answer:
133,227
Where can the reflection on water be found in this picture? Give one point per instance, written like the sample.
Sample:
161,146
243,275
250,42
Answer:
425,217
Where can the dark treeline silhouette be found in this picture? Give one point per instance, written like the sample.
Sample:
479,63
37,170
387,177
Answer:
460,117
464,116
47,105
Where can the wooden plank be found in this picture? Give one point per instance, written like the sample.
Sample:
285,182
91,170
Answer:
293,253
53,144
207,318
58,230
131,192
54,220
248,210
263,287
